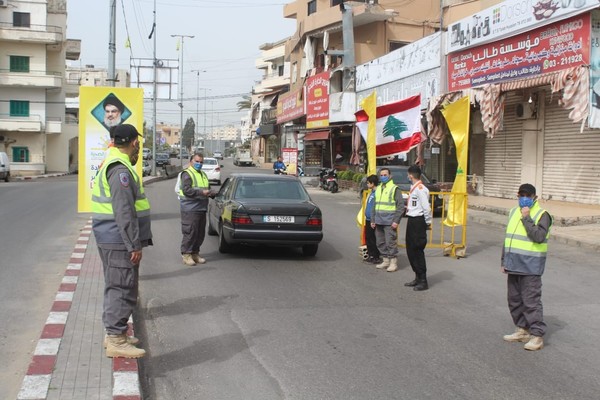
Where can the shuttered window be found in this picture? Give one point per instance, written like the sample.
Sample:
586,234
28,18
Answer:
22,19
20,154
19,108
19,64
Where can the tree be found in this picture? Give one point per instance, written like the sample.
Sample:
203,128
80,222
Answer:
244,104
188,133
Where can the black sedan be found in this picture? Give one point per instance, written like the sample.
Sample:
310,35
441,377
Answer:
263,209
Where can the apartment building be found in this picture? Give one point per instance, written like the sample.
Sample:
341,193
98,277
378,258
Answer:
33,50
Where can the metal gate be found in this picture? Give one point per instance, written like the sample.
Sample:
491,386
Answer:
571,159
503,154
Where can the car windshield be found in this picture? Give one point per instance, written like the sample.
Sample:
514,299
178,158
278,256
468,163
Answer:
208,161
270,189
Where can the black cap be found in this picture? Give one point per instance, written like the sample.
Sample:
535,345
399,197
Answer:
124,133
113,100
527,189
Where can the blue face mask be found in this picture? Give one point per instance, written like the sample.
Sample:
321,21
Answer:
384,179
197,166
525,201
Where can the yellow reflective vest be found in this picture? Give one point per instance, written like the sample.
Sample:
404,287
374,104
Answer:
385,203
521,254
104,224
199,181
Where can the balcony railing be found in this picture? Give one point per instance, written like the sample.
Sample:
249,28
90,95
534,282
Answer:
30,123
31,78
43,33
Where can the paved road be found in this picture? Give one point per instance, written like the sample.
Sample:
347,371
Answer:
39,225
270,324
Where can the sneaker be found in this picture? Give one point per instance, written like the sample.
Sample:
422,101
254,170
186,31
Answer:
188,260
197,259
520,335
535,343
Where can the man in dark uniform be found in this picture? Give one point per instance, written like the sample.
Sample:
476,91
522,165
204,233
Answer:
418,213
194,192
121,225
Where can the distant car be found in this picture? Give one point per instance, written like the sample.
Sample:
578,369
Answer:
259,209
146,154
400,177
212,169
146,168
218,155
162,159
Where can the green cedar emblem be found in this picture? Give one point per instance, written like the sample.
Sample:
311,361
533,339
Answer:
394,127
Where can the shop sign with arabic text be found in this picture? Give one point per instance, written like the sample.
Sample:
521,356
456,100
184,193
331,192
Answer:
552,48
317,101
290,106
510,18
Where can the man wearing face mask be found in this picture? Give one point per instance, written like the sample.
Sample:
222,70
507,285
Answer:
121,225
385,218
524,260
194,192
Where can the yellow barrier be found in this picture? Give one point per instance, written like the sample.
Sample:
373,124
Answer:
451,237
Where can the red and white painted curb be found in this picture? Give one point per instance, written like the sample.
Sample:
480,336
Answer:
126,385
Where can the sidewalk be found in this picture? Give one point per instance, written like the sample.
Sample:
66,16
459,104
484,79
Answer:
69,361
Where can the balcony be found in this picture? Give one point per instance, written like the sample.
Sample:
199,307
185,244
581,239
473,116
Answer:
272,81
31,124
32,79
73,49
71,87
53,126
42,34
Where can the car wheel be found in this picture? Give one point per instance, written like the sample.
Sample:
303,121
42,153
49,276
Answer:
211,230
224,247
7,177
310,250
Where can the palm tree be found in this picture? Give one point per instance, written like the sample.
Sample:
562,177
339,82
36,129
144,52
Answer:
244,104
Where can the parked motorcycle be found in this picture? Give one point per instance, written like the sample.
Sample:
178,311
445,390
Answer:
300,171
328,179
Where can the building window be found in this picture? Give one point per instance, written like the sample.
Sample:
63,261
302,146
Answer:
19,108
397,45
19,64
20,154
312,7
22,19
294,72
280,70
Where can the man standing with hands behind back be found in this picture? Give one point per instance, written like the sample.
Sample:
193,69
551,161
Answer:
121,225
194,192
418,213
524,260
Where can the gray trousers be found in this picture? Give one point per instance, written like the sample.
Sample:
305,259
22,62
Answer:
193,229
387,240
525,303
121,280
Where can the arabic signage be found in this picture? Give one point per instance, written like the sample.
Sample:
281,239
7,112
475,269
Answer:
317,101
557,46
510,18
419,56
594,121
426,84
290,106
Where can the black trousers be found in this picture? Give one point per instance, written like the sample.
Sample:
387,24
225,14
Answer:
193,229
416,240
372,249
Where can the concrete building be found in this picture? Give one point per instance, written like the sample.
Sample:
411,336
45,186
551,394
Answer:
33,50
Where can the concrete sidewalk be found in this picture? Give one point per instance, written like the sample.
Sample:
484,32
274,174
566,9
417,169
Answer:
69,361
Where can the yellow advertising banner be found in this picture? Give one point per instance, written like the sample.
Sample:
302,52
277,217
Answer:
100,108
369,104
457,117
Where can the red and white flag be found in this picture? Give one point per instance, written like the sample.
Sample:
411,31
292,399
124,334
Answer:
398,126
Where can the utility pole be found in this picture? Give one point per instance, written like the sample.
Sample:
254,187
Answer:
112,45
154,94
182,37
205,136
197,71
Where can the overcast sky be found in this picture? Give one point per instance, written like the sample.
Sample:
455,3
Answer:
227,33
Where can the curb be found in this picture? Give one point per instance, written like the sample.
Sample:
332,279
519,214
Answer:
33,177
36,383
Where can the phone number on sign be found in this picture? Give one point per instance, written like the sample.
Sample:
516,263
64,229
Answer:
577,58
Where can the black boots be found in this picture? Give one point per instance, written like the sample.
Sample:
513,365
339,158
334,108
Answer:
421,283
412,283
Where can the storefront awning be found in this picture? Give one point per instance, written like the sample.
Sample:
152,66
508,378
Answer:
319,135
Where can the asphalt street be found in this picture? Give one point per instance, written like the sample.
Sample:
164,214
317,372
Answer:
39,225
268,323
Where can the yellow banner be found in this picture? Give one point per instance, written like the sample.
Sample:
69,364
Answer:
99,109
369,104
457,117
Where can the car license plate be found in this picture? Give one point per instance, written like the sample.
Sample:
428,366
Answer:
278,219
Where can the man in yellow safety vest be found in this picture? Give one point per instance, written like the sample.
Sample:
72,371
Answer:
524,260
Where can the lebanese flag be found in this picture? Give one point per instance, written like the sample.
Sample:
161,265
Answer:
398,126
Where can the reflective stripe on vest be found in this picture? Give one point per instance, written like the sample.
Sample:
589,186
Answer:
199,181
385,204
105,226
521,254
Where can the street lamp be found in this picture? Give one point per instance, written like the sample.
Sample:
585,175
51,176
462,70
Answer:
197,71
182,37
